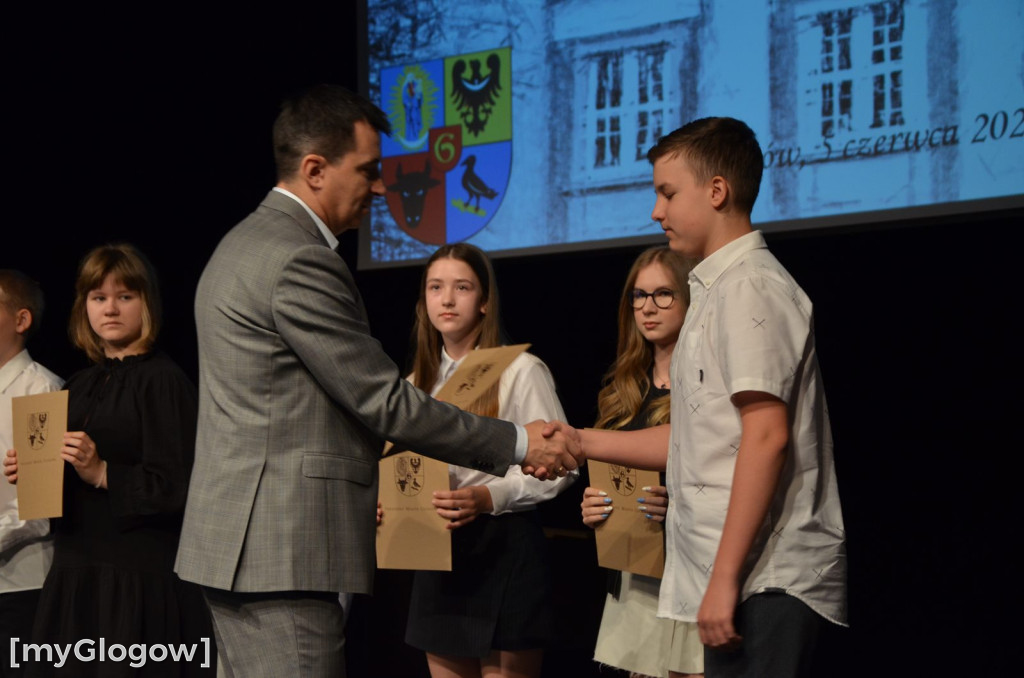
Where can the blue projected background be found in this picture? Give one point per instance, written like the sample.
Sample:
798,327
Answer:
524,125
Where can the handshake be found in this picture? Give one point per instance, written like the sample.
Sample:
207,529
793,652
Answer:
554,449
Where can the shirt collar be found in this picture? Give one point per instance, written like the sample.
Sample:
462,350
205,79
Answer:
13,367
332,240
708,271
448,365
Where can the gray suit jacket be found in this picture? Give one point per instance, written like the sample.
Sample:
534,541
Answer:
295,401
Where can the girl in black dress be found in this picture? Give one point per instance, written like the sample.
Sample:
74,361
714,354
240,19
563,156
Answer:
111,591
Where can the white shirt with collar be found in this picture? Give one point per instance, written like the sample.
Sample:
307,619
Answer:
526,392
522,438
750,328
26,549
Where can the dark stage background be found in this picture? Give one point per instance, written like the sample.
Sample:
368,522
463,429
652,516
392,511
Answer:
156,130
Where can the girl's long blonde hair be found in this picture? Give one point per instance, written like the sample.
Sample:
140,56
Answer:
628,381
427,340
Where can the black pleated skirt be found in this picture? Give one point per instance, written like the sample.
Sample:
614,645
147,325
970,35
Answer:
495,598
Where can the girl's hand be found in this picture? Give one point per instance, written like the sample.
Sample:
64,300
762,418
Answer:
463,505
80,451
656,506
380,513
596,506
11,467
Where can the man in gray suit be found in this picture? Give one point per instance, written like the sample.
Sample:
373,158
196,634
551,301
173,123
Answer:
296,400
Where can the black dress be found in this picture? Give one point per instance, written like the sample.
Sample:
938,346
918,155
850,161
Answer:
112,575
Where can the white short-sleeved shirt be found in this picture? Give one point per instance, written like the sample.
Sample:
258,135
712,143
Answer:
526,392
25,548
750,328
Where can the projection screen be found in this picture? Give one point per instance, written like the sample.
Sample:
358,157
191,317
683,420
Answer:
523,126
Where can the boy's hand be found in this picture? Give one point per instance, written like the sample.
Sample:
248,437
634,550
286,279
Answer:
755,478
11,467
715,617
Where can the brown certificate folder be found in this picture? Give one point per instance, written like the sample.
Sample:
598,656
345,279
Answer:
412,536
39,423
627,540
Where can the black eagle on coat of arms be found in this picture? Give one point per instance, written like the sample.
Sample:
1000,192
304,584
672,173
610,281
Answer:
476,94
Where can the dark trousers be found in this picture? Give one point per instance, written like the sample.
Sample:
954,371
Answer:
779,634
17,612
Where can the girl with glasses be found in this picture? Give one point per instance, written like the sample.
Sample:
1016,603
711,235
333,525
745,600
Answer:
491,614
636,395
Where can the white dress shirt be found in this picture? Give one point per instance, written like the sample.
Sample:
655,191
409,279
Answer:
750,328
26,549
526,392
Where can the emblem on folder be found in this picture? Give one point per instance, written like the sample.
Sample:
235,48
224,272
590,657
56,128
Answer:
623,479
409,475
38,429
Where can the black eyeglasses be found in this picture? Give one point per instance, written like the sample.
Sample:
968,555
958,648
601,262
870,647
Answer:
663,298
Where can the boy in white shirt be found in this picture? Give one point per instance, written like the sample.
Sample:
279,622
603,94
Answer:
755,540
26,547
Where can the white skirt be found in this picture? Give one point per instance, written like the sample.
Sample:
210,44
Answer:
633,638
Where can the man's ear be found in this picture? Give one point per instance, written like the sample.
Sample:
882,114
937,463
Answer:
22,320
718,191
312,168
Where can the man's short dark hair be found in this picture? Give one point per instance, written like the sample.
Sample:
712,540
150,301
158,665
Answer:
321,120
724,147
18,291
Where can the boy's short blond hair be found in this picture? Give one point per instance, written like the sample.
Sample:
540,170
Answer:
723,147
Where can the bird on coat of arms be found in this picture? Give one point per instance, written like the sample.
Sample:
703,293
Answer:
475,188
476,95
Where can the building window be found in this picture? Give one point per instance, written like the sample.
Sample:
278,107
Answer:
886,60
608,105
627,109
856,68
836,62
650,100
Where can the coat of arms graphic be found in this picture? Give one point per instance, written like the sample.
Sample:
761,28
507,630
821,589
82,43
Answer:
409,475
447,162
38,429
623,478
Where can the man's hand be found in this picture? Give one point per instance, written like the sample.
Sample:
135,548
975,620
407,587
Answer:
554,449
